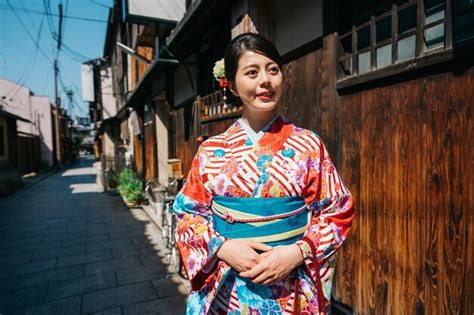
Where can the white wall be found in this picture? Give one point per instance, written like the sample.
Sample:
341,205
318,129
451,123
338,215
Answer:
17,101
42,119
162,142
108,97
297,22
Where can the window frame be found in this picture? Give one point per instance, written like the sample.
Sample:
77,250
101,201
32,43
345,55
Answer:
423,57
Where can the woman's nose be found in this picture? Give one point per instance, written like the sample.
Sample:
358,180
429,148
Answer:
264,78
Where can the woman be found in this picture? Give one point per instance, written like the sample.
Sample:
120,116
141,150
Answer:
263,210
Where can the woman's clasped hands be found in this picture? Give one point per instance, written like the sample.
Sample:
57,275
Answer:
266,267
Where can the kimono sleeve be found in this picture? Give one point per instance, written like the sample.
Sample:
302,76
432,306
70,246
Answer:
332,211
198,242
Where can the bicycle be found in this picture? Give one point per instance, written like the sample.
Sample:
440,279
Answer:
168,223
158,194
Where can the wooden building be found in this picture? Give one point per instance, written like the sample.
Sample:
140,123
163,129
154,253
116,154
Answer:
10,179
389,87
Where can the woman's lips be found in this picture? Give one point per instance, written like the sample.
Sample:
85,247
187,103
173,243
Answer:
266,96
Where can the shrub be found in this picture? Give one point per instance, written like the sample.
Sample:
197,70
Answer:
112,178
130,186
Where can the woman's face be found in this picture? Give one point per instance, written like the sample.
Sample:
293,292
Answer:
258,81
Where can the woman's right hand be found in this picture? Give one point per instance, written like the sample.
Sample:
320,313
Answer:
241,254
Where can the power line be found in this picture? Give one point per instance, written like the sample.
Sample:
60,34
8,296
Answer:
28,32
72,53
49,13
99,4
50,19
28,70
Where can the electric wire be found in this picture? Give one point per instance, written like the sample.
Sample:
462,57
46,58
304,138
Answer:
31,63
28,32
49,13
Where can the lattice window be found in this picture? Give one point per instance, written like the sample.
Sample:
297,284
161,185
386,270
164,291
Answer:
375,35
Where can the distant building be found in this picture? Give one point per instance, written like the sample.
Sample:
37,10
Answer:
35,128
35,132
10,179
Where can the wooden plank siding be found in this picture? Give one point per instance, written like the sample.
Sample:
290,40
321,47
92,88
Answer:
405,151
151,168
217,127
406,154
184,147
28,154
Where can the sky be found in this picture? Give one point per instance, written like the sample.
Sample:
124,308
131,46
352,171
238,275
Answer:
28,29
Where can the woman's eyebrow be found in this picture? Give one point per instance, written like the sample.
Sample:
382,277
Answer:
250,66
256,65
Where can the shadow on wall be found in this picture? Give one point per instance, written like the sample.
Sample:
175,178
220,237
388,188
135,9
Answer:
10,179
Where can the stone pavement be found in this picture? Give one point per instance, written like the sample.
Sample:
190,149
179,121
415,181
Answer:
65,248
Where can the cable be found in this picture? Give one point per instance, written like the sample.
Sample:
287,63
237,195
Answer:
73,53
26,74
28,32
50,19
99,4
49,13
74,87
23,7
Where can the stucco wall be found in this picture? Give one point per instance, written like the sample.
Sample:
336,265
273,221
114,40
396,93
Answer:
108,98
42,119
17,101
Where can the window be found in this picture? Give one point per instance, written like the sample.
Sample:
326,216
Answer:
376,34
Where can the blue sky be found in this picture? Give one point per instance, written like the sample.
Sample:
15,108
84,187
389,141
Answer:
22,62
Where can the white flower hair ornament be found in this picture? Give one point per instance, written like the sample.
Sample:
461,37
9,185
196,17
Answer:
219,75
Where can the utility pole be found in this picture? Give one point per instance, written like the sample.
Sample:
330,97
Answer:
58,110
56,94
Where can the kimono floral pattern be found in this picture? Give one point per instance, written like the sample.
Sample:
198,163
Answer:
284,161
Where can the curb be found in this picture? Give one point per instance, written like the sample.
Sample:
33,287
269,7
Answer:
20,192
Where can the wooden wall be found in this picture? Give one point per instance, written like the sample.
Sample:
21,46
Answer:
184,147
405,152
28,154
216,127
407,157
186,122
151,163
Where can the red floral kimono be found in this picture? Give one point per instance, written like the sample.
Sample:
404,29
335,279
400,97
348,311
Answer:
282,160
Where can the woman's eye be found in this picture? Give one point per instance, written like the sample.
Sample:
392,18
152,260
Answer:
274,70
252,73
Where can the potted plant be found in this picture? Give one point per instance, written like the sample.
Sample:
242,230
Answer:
131,187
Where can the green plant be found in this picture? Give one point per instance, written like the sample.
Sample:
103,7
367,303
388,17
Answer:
112,178
130,186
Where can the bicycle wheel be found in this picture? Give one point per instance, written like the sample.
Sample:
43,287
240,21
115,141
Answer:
175,255
164,223
169,228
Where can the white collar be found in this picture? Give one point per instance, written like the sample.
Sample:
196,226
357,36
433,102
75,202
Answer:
256,136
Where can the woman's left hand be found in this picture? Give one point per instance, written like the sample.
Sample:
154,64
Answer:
275,264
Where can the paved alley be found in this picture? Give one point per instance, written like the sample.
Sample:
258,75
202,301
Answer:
65,248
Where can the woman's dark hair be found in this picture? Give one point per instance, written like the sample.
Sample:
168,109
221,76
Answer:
252,42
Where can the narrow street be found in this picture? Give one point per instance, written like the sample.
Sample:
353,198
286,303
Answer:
65,248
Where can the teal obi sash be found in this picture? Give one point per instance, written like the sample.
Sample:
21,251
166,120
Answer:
273,221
